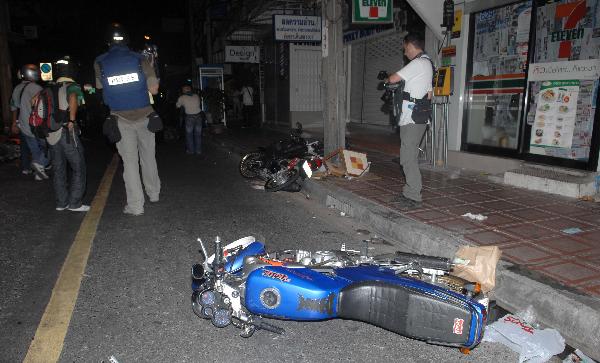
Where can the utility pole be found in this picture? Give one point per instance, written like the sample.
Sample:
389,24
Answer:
192,27
5,65
332,74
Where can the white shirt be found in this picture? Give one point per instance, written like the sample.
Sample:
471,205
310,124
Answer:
191,103
248,96
417,75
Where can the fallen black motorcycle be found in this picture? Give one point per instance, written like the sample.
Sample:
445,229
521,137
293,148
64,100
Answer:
276,163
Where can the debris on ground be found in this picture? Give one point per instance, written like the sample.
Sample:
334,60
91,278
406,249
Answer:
350,164
477,264
578,357
477,217
572,230
533,345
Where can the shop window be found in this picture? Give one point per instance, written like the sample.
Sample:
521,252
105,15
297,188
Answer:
496,78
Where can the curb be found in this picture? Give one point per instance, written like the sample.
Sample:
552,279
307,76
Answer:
575,316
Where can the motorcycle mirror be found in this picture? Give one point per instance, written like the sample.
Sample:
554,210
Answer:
382,75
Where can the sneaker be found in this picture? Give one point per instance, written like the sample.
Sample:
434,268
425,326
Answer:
154,199
39,171
405,203
82,208
37,177
129,211
26,172
61,208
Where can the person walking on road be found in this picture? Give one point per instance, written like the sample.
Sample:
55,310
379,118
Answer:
126,79
20,106
248,104
65,146
417,76
193,118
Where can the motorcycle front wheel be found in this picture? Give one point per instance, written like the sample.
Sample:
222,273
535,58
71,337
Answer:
287,178
249,163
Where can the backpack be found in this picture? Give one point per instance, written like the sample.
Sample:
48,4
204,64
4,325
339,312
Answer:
46,115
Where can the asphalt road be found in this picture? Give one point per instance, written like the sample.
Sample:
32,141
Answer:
134,300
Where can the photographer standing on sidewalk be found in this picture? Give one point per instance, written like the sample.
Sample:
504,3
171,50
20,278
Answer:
416,110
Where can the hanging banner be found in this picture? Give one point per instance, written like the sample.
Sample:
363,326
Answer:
555,114
297,28
372,11
242,54
581,69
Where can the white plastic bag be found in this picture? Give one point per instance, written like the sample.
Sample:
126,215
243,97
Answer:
533,345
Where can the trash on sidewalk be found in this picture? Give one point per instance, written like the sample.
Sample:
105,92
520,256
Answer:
578,357
533,345
477,217
572,230
477,264
351,163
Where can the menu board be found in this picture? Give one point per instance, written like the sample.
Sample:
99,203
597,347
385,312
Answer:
555,114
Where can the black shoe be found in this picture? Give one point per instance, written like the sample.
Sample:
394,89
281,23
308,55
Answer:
405,203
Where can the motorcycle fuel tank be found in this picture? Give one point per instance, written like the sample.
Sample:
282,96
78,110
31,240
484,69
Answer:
293,293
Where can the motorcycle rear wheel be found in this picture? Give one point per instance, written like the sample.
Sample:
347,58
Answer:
246,169
291,176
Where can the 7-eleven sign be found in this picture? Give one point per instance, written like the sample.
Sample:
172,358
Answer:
372,11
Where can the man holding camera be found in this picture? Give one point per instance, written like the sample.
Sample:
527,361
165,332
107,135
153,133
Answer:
416,110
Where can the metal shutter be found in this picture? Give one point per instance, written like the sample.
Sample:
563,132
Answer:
382,53
305,77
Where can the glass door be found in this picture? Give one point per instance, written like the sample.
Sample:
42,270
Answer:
562,111
496,76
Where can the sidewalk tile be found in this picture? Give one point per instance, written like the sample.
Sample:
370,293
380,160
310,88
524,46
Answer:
451,191
564,209
561,223
497,219
530,214
509,193
527,253
472,197
461,182
481,187
540,202
458,225
592,237
528,231
500,205
489,238
593,290
442,202
368,193
428,215
569,272
429,194
459,210
564,244
592,218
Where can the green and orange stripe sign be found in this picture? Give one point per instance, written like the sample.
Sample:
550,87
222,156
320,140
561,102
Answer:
498,84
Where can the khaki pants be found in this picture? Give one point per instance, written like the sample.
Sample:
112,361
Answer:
137,148
410,136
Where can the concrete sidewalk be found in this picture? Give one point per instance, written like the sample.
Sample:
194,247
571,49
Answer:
543,266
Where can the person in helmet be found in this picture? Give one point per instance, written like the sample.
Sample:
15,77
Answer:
65,146
125,78
33,157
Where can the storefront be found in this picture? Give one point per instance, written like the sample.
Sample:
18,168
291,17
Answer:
532,79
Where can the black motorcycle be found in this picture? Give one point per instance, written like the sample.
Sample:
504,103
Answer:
272,163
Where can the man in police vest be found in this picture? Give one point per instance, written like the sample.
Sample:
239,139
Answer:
126,78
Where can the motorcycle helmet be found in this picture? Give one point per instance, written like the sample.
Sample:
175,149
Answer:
116,34
30,72
65,67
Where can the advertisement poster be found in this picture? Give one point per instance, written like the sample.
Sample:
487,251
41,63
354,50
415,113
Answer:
555,114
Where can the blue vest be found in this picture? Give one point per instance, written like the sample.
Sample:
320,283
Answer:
123,80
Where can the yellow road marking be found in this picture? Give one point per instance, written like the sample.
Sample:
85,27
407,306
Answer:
50,335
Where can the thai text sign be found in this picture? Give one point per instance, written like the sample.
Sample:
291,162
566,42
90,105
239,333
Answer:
557,71
242,54
297,28
372,11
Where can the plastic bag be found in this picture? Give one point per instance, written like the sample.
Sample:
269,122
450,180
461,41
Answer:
533,345
480,265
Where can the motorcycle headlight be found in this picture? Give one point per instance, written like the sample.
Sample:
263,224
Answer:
208,297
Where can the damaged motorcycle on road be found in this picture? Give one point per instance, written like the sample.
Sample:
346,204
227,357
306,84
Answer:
408,294
283,163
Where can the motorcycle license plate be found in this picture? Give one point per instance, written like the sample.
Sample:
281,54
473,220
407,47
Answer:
307,169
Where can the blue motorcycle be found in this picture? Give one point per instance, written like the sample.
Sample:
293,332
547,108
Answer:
409,294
